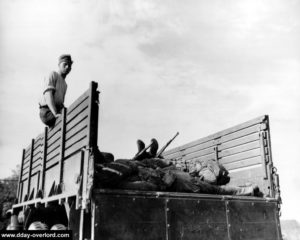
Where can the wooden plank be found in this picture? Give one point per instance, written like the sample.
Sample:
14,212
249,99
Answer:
80,119
77,111
189,145
26,165
19,197
236,128
54,130
62,145
37,156
52,161
193,149
201,158
30,166
36,169
76,147
78,137
44,160
243,163
239,141
53,153
202,153
54,138
239,149
54,146
26,159
240,133
37,162
77,132
38,145
240,156
78,101
27,151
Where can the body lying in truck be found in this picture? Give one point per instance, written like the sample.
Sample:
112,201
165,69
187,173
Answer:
150,173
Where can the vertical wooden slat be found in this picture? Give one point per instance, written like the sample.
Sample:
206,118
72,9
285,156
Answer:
263,155
44,161
19,194
93,116
62,144
30,168
92,137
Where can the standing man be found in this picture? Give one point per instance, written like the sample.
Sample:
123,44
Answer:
52,100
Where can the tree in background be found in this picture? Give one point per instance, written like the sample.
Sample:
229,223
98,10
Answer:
8,190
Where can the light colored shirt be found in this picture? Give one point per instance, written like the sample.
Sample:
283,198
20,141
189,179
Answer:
56,83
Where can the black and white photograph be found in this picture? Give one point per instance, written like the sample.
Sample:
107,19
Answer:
148,119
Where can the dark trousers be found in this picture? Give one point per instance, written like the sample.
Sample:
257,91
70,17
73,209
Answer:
47,116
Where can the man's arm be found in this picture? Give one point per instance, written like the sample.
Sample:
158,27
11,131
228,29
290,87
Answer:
50,102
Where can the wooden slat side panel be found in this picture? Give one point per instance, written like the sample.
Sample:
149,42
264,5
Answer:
26,163
55,129
53,154
37,156
77,136
82,134
78,101
201,158
77,111
190,150
239,149
240,141
53,146
25,175
243,163
240,156
36,169
37,146
202,153
27,151
37,162
77,129
54,138
52,161
81,119
75,147
236,128
241,133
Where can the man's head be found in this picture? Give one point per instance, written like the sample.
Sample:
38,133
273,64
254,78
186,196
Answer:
65,64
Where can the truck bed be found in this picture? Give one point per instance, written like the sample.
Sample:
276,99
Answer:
58,168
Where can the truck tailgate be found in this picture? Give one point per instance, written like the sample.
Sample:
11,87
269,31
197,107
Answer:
122,214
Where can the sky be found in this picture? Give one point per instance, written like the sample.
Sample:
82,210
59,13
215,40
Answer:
196,67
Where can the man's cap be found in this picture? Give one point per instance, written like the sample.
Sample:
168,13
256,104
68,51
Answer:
65,58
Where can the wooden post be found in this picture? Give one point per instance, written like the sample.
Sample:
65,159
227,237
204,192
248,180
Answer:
44,160
92,138
263,155
93,116
30,168
62,145
19,194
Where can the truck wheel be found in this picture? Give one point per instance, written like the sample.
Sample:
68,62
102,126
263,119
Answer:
58,227
38,226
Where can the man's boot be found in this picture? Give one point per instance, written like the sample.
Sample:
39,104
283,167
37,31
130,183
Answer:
153,148
140,145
